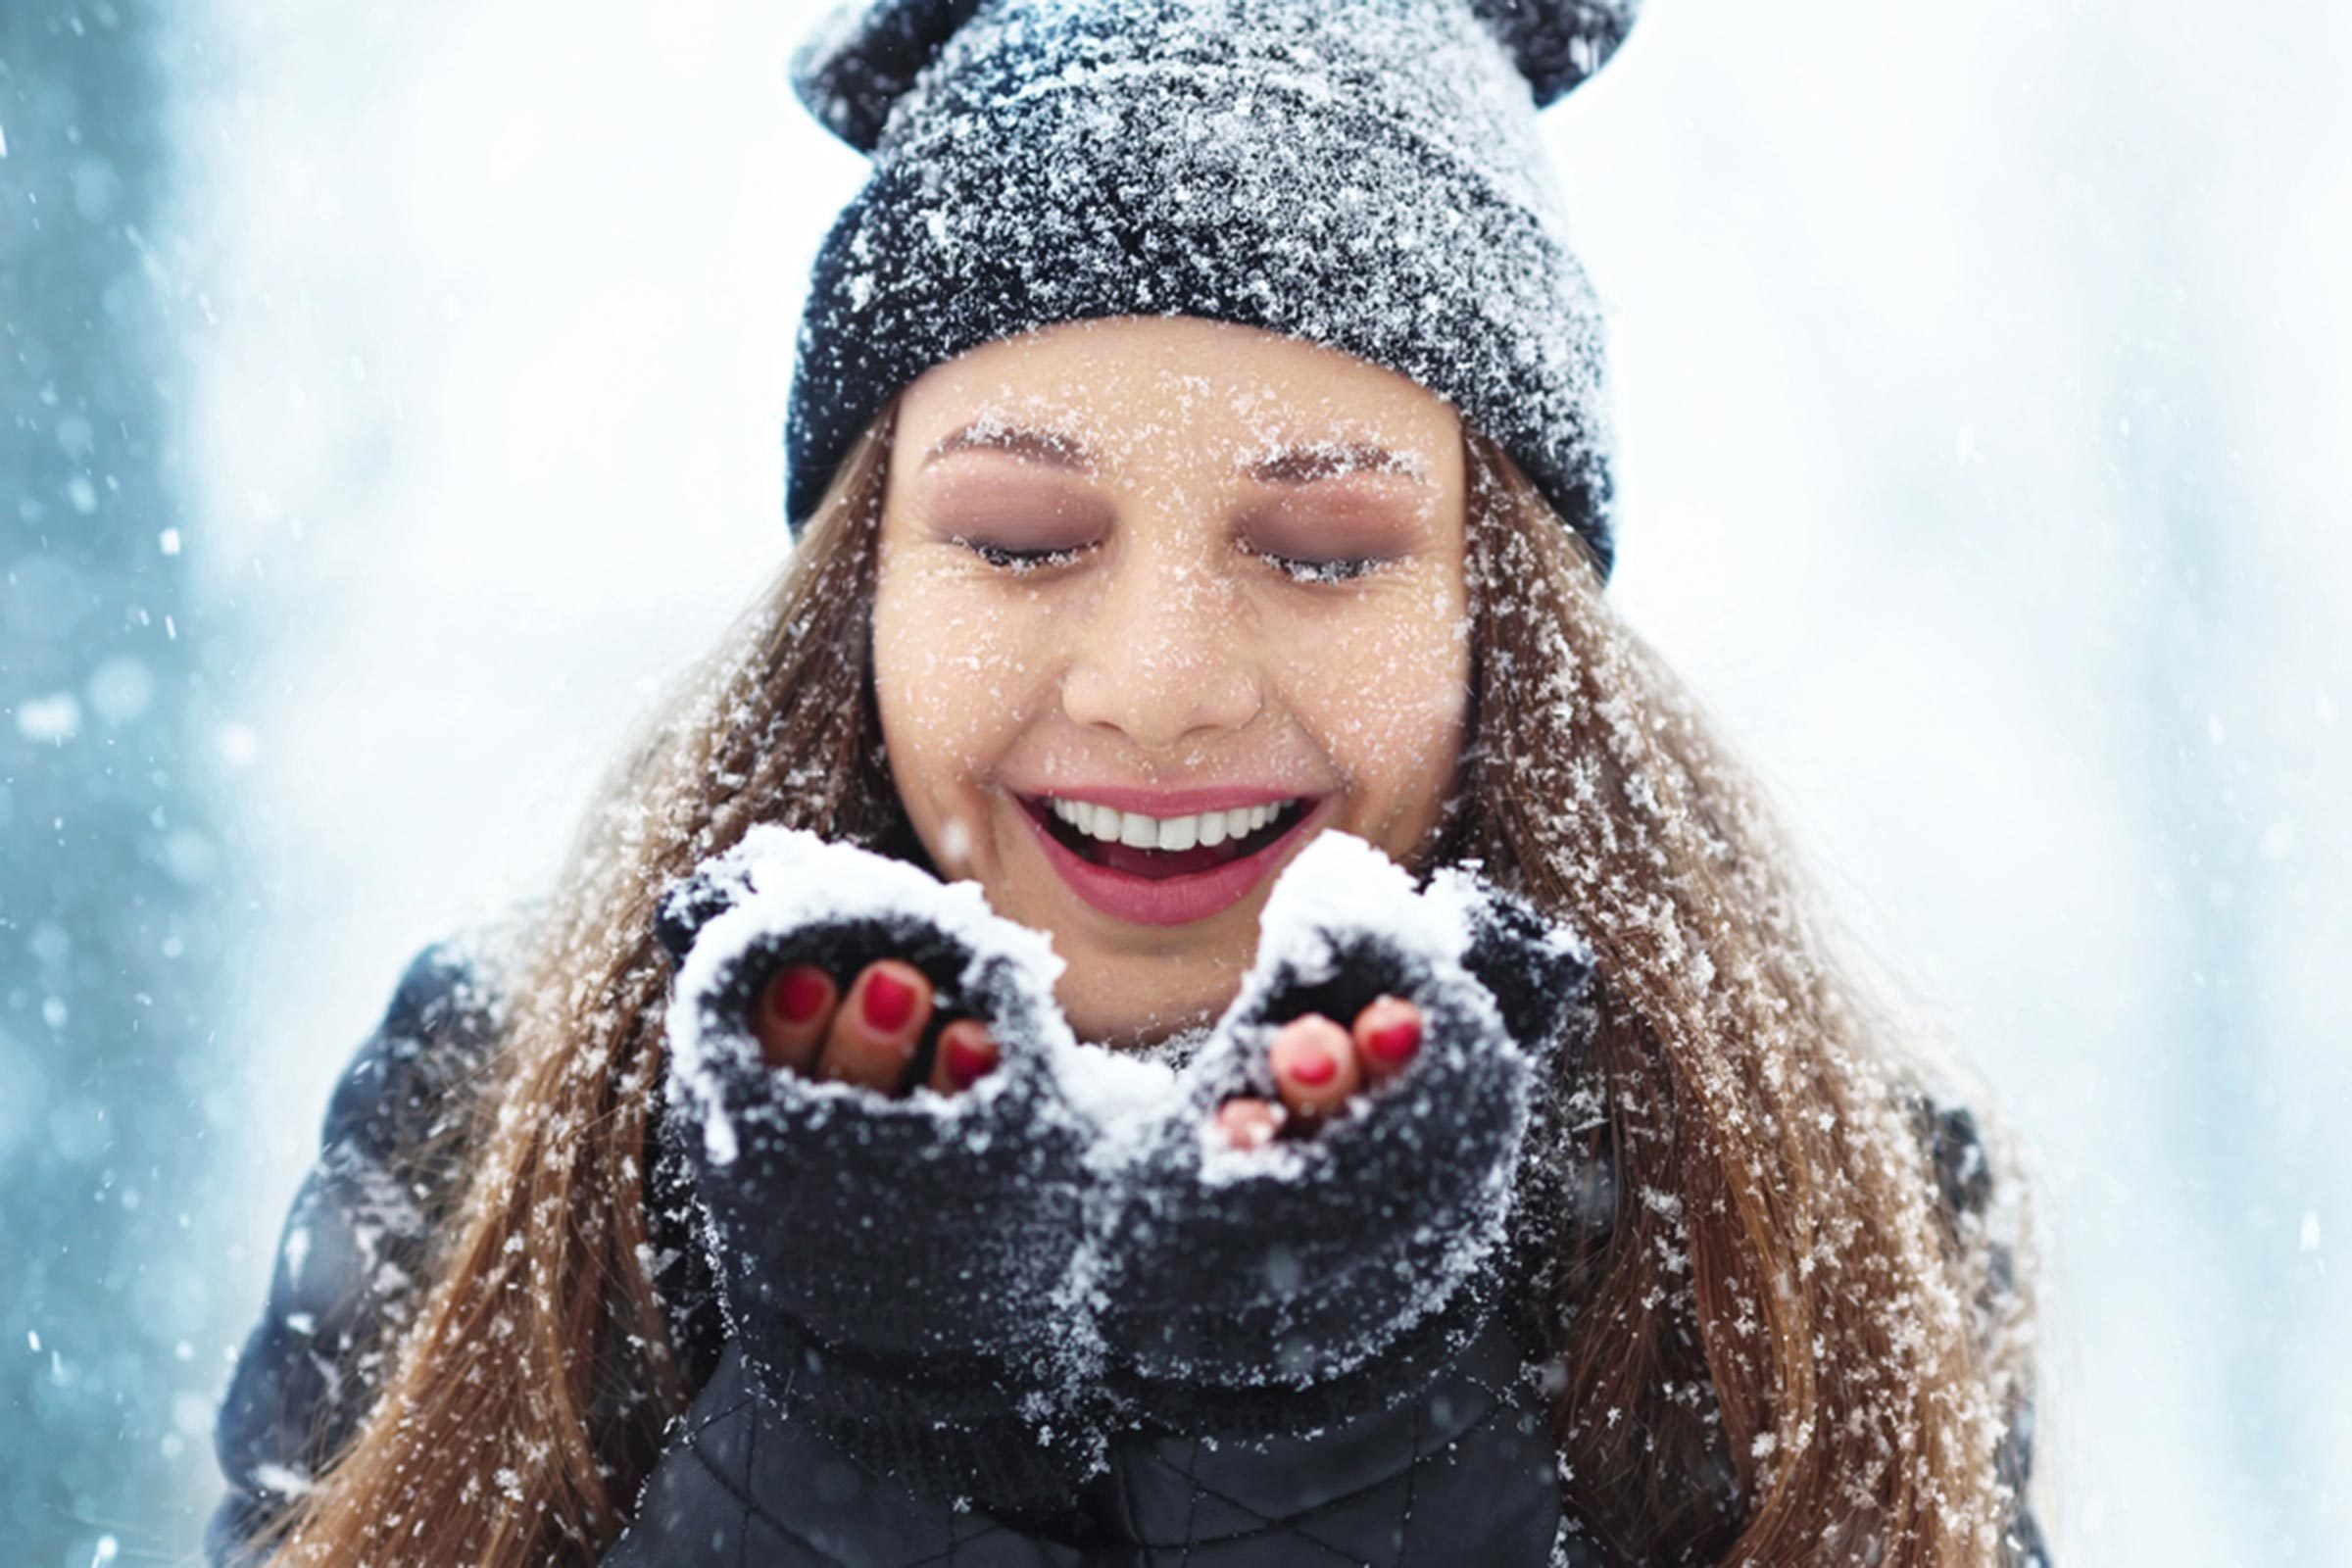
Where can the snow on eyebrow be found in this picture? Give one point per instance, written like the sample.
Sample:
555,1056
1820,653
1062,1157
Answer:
993,433
1303,462
1298,462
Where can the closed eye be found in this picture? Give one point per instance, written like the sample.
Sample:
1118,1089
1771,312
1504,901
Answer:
1298,568
1306,570
1005,557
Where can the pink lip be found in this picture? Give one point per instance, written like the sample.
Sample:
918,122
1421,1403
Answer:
1176,899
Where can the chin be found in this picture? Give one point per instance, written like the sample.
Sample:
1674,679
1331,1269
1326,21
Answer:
1134,1003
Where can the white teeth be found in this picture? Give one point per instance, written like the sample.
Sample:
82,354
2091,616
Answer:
1169,833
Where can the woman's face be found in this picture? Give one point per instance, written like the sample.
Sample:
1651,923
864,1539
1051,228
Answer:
1199,587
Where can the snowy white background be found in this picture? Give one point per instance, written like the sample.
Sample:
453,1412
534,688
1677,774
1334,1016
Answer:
1982,372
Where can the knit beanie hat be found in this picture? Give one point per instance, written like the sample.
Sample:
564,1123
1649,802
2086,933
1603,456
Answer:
1360,173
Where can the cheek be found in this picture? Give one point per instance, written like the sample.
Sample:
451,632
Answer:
952,676
1386,695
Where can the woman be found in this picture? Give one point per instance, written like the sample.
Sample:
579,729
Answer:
1194,432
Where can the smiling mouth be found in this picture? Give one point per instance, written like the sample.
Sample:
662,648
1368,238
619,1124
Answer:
1120,853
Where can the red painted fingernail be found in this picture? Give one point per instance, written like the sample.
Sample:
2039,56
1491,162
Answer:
969,1059
889,1001
1312,1065
799,994
1397,1042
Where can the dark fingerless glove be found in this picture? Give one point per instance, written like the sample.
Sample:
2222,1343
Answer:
972,1291
892,1267
1306,1281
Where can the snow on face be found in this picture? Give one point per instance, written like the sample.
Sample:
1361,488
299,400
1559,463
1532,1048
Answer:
1254,576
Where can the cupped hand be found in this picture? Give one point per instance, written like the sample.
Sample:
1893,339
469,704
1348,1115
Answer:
806,1025
1318,1065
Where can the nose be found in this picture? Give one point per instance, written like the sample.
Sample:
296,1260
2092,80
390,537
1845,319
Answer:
1158,655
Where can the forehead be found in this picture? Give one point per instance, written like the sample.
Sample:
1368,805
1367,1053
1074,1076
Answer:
1142,391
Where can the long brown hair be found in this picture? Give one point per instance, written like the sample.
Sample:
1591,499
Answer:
1767,1295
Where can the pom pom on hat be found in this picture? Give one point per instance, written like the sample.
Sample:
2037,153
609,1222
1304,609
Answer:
856,64
1558,43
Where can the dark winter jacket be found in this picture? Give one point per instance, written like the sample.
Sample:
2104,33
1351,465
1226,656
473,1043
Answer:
1170,1373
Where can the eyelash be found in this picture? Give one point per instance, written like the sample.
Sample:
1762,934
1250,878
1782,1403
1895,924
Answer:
1346,569
1006,559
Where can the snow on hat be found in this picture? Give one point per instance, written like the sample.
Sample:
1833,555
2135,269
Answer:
1360,173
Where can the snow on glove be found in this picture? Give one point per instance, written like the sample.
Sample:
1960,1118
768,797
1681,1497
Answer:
1306,1281
894,1267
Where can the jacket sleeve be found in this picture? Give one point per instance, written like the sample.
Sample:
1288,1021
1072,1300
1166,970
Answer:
1980,1215
353,1250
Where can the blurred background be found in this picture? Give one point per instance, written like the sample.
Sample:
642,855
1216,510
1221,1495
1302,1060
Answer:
391,401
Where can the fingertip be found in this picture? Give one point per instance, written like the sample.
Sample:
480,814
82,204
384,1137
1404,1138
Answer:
790,1021
1315,1065
892,998
967,1054
1248,1122
1387,1036
874,1032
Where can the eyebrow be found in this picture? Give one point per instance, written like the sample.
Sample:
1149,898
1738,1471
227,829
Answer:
1050,446
1306,463
1297,463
